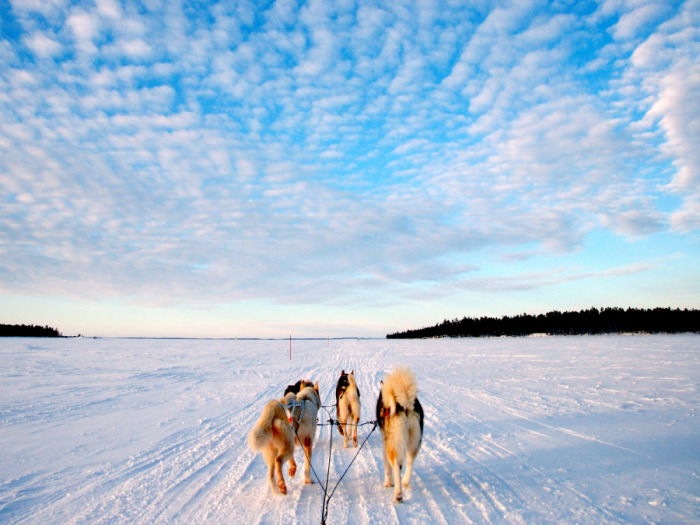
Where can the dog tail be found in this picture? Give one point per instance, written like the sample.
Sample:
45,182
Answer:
399,388
272,415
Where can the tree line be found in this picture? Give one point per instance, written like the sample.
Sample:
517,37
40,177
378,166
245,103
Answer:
24,330
591,321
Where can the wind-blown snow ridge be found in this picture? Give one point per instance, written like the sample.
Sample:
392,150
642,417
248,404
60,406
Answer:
528,430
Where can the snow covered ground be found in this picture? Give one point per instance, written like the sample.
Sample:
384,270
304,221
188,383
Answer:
527,430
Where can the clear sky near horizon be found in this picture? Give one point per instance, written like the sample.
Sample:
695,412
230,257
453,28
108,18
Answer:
347,168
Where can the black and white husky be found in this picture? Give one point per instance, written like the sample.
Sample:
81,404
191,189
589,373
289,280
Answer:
347,403
400,418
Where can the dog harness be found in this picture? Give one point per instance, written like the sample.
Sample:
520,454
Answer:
291,405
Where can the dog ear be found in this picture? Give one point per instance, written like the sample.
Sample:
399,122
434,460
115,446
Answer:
342,373
316,387
352,372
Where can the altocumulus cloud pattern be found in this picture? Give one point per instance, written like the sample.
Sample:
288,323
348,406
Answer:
357,155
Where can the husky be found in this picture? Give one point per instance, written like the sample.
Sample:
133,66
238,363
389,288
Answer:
274,437
400,418
296,387
303,413
347,403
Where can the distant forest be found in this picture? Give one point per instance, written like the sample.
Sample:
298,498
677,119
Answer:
593,321
23,330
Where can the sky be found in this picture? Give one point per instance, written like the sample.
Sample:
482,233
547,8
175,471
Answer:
348,168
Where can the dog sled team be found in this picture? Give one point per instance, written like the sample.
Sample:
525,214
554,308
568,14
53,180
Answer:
292,420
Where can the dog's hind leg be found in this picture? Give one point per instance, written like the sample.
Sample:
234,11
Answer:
406,480
344,418
346,431
396,466
387,468
269,457
287,455
354,430
412,447
292,467
308,449
280,477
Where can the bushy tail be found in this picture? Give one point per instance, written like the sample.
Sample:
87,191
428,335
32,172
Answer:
399,388
261,434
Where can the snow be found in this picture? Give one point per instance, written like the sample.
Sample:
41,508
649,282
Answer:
595,429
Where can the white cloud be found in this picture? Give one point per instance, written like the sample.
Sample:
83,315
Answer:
246,168
172,121
637,22
135,48
328,151
46,7
408,77
633,222
109,8
85,28
536,280
664,74
43,46
687,217
677,108
547,30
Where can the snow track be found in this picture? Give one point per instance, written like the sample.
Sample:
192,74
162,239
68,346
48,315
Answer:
546,430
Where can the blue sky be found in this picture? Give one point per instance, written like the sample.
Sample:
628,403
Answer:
343,168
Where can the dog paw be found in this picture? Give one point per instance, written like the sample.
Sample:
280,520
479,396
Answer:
388,484
309,481
345,444
292,471
406,484
354,442
398,498
282,487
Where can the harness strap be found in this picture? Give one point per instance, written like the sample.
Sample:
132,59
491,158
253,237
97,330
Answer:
291,405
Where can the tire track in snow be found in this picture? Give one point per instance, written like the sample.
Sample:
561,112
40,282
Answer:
522,496
361,487
183,463
262,505
179,469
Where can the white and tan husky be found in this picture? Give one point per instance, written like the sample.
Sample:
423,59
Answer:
274,437
347,398
303,412
400,418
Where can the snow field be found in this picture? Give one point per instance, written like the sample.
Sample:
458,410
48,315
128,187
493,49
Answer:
526,430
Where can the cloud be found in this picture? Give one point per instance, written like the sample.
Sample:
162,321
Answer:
677,108
328,151
109,8
134,48
633,222
536,280
632,23
85,28
43,46
687,217
666,69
